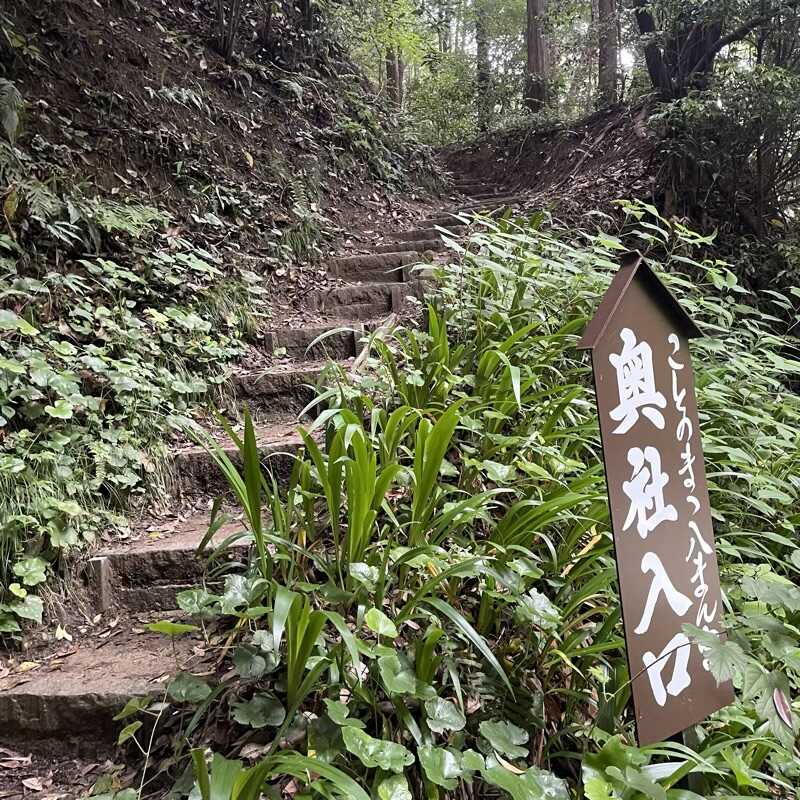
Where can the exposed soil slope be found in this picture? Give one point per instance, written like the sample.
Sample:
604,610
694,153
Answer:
131,98
571,170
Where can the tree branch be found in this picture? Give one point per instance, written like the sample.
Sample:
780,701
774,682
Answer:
737,34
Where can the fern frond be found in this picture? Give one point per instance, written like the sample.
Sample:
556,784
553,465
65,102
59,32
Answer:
10,109
41,202
115,217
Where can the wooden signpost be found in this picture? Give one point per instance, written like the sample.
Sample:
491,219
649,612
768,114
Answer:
658,496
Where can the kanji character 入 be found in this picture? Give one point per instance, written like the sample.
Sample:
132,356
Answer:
636,384
645,490
661,584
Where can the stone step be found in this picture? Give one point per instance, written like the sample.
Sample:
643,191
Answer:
380,298
429,232
432,245
445,221
386,267
148,572
484,195
491,207
305,343
285,387
278,443
157,597
68,703
494,202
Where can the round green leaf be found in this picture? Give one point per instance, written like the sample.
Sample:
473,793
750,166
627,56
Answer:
30,607
533,784
197,602
339,713
9,321
187,688
536,609
378,622
261,711
394,788
444,715
31,570
373,753
399,678
442,767
249,661
61,410
505,738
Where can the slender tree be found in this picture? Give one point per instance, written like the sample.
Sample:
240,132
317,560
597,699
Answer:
394,75
536,77
483,68
608,52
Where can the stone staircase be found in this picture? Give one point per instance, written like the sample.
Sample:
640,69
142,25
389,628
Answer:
64,701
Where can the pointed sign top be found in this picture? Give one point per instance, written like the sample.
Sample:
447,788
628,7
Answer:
633,267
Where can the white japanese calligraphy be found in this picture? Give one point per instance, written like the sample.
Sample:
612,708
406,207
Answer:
679,646
661,584
645,490
636,384
699,548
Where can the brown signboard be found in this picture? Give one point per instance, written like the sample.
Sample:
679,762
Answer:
658,495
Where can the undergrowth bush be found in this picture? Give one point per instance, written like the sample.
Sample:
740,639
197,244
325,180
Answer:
731,157
110,332
431,608
117,318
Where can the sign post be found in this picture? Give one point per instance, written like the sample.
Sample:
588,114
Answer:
658,497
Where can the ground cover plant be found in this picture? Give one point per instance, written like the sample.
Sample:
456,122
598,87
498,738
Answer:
125,307
431,607
112,330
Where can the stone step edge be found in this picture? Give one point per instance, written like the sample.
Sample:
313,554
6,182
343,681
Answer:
392,293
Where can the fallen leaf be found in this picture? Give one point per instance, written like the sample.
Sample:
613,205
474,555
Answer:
34,784
508,765
62,633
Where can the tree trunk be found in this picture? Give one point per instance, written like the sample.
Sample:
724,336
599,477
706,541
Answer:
657,69
444,26
307,14
536,78
265,31
228,27
394,77
483,70
608,52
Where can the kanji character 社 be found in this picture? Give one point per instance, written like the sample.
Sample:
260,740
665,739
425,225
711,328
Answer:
645,490
636,384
